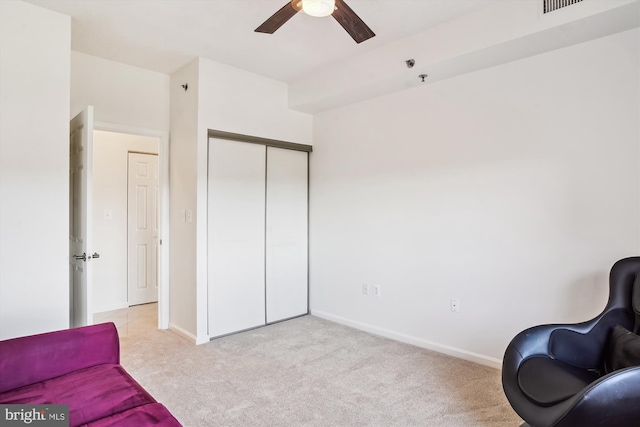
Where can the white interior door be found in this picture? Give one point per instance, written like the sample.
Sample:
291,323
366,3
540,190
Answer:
142,228
236,240
80,242
286,238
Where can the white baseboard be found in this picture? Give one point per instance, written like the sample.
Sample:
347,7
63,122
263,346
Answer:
203,339
429,345
188,335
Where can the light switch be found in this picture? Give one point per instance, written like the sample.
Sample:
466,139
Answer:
183,215
189,215
107,214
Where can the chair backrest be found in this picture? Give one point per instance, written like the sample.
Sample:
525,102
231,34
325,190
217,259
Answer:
585,348
635,303
621,284
35,358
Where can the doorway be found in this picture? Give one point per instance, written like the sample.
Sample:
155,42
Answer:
110,215
83,211
113,146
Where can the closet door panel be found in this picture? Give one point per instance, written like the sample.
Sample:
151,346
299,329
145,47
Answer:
286,238
236,241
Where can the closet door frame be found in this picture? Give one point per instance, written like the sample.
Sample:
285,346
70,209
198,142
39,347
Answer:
268,143
259,140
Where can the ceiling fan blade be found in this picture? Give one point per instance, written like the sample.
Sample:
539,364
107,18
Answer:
277,20
351,22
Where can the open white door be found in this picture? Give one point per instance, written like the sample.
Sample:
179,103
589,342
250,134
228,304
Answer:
80,227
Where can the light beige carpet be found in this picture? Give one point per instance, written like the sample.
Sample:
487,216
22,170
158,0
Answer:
311,372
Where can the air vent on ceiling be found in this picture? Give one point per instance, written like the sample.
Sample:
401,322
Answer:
551,5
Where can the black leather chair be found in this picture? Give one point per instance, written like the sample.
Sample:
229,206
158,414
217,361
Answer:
553,375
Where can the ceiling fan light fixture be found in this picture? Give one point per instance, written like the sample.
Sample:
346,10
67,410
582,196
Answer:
318,8
346,17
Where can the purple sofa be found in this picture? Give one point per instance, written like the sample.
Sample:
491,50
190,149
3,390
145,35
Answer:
81,368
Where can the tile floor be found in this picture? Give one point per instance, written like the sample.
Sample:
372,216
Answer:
132,321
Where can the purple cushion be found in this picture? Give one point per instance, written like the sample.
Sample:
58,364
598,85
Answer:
91,393
148,415
28,360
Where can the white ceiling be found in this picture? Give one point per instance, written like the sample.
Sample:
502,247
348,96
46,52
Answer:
164,35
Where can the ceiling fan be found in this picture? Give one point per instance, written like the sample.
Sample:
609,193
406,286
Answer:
342,13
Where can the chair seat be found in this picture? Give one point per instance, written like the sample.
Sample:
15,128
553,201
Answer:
152,414
91,393
548,381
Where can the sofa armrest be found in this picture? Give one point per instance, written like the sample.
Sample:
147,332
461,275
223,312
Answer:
35,358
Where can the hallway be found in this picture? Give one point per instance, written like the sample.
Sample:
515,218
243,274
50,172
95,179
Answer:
132,321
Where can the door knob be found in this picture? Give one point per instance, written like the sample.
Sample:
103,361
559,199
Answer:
82,257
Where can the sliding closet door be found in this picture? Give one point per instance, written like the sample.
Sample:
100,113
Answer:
236,252
286,269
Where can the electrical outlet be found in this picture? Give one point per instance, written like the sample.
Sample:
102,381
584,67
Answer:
365,289
455,305
376,291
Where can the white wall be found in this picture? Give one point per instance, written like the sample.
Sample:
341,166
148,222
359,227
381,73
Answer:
513,189
234,100
182,165
34,169
110,237
225,98
121,94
